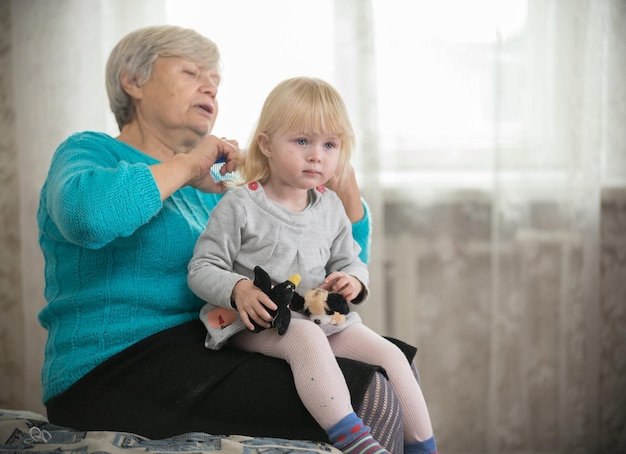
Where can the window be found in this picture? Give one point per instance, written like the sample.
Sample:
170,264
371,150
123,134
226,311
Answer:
261,43
441,66
452,78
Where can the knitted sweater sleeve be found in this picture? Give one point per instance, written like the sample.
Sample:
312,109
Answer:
362,233
94,196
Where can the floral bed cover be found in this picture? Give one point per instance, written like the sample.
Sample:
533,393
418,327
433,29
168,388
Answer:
24,432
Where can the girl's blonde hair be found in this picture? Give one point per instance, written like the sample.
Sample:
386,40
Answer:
304,104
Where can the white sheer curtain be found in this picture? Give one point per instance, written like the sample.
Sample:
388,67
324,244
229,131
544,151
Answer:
491,152
500,148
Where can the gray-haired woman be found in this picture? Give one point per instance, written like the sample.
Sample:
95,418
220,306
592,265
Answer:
118,218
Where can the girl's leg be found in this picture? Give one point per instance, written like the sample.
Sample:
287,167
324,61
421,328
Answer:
317,376
318,380
361,343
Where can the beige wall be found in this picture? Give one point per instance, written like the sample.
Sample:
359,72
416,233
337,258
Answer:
52,84
11,318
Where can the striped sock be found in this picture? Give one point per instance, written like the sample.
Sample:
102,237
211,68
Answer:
350,435
421,447
365,444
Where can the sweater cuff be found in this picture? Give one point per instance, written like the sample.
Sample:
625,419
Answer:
362,233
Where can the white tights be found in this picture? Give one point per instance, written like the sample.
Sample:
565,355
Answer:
319,380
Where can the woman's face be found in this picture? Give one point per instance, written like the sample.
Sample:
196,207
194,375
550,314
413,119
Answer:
179,97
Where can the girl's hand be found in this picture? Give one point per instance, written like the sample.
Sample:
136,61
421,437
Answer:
346,285
252,303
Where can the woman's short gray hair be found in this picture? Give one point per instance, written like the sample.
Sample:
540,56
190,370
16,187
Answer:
135,54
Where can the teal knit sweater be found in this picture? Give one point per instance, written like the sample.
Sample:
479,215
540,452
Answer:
115,255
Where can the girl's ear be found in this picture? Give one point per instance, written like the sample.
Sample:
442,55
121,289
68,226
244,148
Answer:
130,86
264,144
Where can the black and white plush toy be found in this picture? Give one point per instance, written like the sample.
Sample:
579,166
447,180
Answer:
281,294
321,306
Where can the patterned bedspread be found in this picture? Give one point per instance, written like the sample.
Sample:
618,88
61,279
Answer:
24,432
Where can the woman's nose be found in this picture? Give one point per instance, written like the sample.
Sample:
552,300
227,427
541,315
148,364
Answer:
209,86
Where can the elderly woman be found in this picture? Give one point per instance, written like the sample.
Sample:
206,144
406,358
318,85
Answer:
118,221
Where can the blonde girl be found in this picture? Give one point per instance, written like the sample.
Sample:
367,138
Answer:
283,217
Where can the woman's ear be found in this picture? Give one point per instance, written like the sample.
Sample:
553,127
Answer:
130,86
264,144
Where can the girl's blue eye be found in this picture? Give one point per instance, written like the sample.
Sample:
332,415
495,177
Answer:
329,145
301,141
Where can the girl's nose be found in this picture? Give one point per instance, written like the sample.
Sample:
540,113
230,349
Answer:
315,155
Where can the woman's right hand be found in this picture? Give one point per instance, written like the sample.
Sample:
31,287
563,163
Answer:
205,154
194,167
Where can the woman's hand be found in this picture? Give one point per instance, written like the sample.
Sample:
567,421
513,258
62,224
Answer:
205,154
194,168
252,303
350,195
346,285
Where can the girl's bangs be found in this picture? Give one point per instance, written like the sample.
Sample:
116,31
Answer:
314,118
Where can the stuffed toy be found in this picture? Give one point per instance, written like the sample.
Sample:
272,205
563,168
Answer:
221,323
281,294
321,306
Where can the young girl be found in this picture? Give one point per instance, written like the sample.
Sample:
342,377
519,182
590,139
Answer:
286,221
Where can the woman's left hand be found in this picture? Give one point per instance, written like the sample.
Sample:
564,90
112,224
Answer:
350,195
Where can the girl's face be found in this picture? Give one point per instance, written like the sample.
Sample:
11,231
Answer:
301,160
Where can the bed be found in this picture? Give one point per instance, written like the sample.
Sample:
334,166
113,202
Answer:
24,432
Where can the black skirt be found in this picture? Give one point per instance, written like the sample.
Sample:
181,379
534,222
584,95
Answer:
169,384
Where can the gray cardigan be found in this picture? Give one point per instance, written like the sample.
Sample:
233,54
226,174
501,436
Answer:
247,229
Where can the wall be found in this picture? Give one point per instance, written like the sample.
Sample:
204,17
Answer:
52,84
12,319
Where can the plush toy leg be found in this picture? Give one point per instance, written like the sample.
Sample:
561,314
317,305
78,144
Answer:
282,320
337,319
